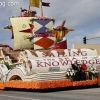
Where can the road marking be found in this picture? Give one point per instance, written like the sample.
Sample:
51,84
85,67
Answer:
19,97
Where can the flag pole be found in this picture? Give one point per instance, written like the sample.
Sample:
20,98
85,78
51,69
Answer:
41,10
29,4
21,11
29,7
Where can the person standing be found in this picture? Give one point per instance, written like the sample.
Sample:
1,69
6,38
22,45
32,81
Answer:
76,68
83,68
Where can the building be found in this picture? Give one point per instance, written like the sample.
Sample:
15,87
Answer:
96,46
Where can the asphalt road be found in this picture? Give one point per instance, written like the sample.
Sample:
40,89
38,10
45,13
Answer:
57,94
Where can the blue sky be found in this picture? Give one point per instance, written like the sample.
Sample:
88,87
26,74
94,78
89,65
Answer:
82,15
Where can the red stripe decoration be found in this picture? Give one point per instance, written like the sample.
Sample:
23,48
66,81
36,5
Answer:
60,45
28,30
44,35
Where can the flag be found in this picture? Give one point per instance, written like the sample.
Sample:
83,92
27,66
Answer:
45,4
35,3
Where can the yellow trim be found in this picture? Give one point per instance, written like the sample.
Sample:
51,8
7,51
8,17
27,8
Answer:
59,34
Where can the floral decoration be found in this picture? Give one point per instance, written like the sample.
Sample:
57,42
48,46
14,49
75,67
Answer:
47,84
70,73
93,72
59,28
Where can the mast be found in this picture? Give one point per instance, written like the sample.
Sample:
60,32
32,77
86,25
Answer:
29,4
41,10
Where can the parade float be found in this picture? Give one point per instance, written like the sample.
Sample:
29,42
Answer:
40,58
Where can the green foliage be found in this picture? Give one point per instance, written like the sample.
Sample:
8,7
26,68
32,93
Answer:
8,66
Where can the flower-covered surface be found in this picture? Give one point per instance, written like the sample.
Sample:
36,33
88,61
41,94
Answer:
44,35
59,28
60,45
43,42
93,72
24,27
70,73
47,84
2,86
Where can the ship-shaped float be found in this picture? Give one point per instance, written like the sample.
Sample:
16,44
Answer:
40,58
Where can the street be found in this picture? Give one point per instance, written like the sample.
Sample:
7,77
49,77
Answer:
57,94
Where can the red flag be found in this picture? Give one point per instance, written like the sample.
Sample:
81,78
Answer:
45,4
